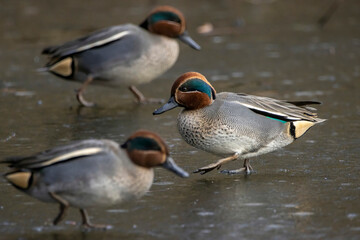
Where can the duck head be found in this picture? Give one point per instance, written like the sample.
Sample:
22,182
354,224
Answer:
147,149
191,91
170,22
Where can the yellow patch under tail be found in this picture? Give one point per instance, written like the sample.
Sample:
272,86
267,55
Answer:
301,127
63,67
19,179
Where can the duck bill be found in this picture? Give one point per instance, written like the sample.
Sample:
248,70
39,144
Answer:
170,165
167,106
185,37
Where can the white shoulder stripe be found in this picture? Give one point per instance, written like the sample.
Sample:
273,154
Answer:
104,41
77,153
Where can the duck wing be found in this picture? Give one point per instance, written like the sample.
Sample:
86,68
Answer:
278,109
59,154
95,39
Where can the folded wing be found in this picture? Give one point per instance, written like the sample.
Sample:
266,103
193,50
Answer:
280,109
58,154
95,39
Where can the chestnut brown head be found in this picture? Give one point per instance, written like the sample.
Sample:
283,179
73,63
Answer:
191,91
147,149
170,22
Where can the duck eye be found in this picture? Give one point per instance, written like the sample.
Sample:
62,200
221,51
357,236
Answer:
183,89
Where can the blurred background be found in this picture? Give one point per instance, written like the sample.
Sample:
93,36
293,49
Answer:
286,49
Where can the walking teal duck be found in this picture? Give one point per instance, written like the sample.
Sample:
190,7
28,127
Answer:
92,173
123,55
235,125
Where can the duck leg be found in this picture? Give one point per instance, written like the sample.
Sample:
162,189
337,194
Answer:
87,224
216,165
140,98
329,12
247,169
79,93
64,205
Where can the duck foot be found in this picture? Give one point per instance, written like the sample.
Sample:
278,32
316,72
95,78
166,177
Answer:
141,99
247,169
216,165
237,171
207,168
80,91
82,100
103,227
88,225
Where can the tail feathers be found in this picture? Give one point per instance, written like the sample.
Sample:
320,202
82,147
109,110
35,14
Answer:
12,161
49,50
310,108
303,103
320,120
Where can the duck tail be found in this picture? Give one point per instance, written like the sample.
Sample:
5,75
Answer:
320,120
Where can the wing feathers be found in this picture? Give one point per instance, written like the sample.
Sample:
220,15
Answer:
93,40
101,42
282,110
64,157
59,154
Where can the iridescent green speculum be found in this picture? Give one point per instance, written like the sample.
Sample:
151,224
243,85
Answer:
282,121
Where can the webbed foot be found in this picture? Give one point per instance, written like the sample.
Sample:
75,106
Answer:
80,91
216,165
82,100
208,168
88,225
247,169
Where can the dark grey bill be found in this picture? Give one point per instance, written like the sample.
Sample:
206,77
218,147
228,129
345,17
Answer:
185,37
167,106
171,165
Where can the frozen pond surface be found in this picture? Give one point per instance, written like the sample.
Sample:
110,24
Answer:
308,190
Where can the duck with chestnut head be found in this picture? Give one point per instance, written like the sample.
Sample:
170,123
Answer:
91,173
123,55
235,125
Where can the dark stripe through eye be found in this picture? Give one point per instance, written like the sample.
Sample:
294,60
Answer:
142,143
196,85
159,16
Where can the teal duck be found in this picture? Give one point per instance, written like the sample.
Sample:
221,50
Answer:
123,55
92,173
235,125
